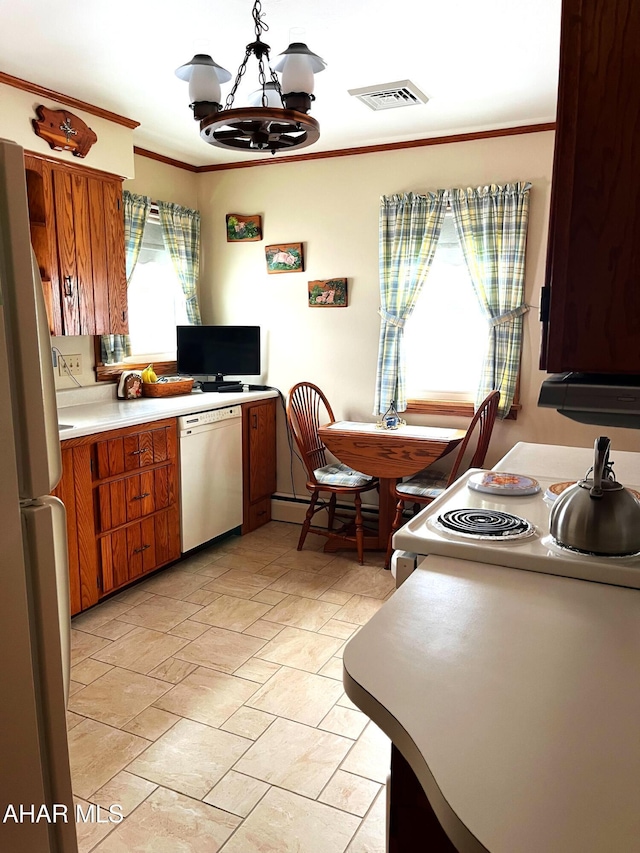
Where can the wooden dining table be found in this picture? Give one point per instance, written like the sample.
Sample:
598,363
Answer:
388,455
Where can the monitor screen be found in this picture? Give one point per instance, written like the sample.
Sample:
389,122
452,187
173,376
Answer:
219,350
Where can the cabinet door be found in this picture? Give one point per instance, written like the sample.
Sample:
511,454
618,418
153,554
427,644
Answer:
99,264
115,269
593,264
262,444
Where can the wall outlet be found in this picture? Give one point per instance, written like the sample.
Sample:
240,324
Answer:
73,362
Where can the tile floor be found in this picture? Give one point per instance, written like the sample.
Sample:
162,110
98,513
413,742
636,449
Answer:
207,701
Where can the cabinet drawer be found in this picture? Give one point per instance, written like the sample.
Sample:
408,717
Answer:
135,451
138,548
259,513
135,496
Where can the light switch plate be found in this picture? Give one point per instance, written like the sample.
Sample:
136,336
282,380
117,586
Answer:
73,362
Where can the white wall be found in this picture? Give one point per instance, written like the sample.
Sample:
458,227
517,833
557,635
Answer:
331,206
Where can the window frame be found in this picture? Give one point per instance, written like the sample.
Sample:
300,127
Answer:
111,372
459,408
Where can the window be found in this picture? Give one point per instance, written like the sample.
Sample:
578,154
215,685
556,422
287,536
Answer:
447,322
155,299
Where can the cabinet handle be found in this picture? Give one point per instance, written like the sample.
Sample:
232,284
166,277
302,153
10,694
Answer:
140,452
140,550
254,421
140,497
68,285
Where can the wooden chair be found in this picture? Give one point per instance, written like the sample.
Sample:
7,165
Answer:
304,406
425,486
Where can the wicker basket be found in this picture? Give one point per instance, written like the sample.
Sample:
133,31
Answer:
167,389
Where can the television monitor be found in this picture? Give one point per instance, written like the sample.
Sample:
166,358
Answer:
219,351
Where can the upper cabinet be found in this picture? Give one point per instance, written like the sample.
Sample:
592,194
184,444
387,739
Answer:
77,232
591,302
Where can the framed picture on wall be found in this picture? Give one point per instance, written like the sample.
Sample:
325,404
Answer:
286,257
328,293
243,229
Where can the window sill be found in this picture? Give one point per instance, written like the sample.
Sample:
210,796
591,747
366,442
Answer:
452,408
111,372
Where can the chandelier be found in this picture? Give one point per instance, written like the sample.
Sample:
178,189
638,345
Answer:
276,118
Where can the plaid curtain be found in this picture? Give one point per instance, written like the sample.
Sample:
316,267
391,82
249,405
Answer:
181,233
492,226
410,226
136,209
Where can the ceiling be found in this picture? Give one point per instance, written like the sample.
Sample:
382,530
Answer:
484,64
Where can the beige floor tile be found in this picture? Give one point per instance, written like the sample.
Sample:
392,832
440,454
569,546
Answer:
220,649
273,571
97,752
296,757
306,560
335,597
297,582
359,609
269,596
151,723
117,696
172,670
257,670
174,584
90,832
366,580
168,822
246,561
159,613
125,790
300,649
141,650
235,614
283,822
112,630
247,722
345,702
212,570
300,612
344,721
336,628
190,758
350,793
132,596
73,720
237,583
88,670
75,687
371,836
207,696
370,756
236,793
264,630
332,669
201,596
99,615
297,695
84,645
189,629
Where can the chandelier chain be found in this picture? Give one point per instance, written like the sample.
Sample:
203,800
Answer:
236,82
258,18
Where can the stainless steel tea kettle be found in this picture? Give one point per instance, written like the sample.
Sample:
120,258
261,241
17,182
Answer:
598,515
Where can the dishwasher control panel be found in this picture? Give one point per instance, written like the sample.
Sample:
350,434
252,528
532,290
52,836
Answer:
210,417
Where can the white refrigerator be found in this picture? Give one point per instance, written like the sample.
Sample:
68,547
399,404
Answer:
34,594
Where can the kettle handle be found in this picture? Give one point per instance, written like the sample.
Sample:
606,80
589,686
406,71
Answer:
601,448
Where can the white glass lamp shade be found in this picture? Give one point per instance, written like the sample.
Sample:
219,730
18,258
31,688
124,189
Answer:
204,77
273,97
298,65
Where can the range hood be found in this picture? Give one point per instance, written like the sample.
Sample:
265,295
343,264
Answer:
594,398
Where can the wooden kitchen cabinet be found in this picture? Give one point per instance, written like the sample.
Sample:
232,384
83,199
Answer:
591,301
77,231
259,461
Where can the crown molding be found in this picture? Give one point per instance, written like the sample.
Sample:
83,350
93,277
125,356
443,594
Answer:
67,100
161,158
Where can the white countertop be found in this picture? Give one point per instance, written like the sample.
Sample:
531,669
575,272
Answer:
566,463
515,697
106,414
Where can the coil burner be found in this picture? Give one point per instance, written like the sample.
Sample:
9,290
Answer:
485,524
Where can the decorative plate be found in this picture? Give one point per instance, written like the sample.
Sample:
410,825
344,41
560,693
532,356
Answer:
501,483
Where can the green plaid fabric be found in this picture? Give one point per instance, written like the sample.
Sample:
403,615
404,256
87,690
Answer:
492,226
410,226
114,348
181,234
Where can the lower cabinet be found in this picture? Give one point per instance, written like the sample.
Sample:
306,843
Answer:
120,489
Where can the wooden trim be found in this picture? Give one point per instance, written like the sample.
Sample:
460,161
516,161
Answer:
452,408
59,97
74,168
161,158
390,146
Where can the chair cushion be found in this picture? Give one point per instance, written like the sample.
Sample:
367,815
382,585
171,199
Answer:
339,474
425,484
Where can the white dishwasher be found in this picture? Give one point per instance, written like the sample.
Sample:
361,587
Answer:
210,474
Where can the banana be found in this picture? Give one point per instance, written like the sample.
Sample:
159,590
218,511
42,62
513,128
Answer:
149,374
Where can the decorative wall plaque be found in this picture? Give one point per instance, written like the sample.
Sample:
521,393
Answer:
63,131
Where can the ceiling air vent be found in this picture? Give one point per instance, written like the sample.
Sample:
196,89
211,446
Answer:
390,95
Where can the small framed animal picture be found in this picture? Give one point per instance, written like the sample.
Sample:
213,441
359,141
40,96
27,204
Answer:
285,258
243,229
328,293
